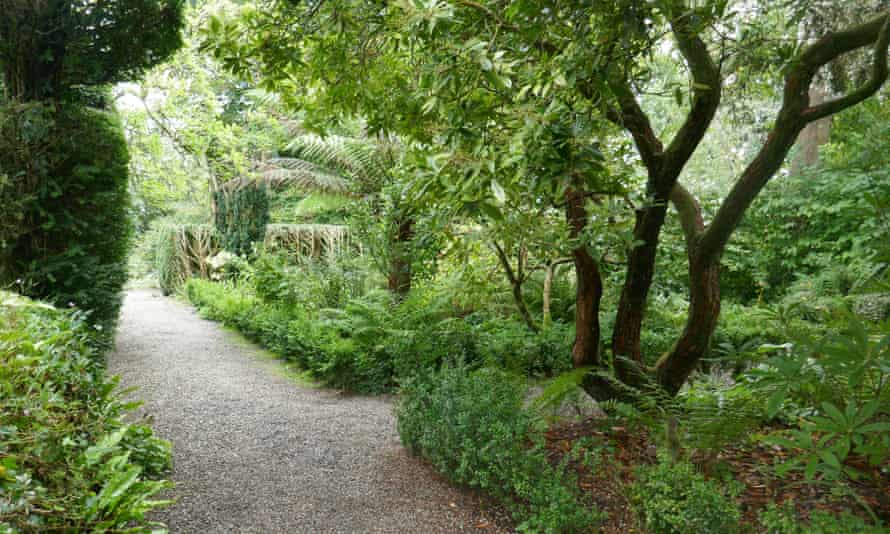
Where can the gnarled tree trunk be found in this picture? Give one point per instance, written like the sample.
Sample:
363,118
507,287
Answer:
589,292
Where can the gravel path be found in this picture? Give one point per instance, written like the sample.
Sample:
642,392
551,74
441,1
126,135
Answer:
254,451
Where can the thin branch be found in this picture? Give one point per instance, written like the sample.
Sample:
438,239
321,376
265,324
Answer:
877,79
706,92
631,117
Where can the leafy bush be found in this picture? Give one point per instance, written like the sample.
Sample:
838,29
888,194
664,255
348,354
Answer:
784,520
511,345
312,284
71,165
67,461
673,498
472,427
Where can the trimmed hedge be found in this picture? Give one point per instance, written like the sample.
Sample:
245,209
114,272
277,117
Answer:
67,168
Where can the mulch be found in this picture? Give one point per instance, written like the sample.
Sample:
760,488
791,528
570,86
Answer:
623,448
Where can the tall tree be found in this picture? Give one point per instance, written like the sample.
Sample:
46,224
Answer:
474,79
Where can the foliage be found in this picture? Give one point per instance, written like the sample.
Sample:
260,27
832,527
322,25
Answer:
49,48
784,520
834,388
471,426
71,248
326,316
241,215
67,460
672,498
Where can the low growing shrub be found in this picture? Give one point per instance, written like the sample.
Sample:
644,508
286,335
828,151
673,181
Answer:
471,426
785,520
672,498
67,461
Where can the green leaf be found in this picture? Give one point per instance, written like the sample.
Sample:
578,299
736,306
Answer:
829,458
874,428
491,211
832,411
775,401
498,191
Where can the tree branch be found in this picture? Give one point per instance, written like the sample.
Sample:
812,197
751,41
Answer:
791,119
505,262
706,93
689,212
877,79
631,117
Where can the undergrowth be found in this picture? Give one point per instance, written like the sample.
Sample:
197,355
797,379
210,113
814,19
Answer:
68,463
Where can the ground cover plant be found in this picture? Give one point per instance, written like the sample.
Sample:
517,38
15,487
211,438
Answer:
68,462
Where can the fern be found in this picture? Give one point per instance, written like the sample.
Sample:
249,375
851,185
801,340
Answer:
559,388
334,164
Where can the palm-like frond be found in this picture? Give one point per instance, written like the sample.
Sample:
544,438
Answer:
357,158
312,161
280,173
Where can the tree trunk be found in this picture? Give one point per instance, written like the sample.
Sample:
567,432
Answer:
399,282
522,308
586,350
704,309
547,318
516,279
813,136
637,281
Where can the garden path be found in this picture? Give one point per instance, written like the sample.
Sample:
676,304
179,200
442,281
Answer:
256,451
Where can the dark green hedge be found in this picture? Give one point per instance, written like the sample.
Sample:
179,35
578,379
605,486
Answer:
66,237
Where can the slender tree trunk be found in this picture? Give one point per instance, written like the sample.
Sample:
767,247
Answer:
637,281
516,279
400,262
813,136
522,308
547,318
586,350
704,310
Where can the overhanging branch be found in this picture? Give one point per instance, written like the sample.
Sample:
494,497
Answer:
877,79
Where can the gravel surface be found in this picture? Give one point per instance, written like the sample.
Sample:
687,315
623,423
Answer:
254,451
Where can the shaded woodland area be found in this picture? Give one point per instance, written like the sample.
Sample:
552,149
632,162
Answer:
623,263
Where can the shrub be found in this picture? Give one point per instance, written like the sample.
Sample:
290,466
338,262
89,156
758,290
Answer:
784,520
511,345
673,498
471,426
70,164
67,461
312,284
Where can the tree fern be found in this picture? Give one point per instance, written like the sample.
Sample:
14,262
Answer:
333,164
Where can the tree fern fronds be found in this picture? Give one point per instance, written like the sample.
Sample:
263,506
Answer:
280,173
360,160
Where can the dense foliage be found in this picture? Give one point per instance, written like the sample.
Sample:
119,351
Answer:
68,462
678,208
67,171
471,425
50,49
